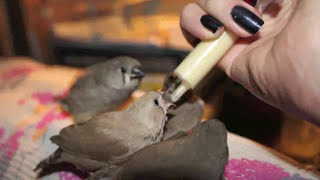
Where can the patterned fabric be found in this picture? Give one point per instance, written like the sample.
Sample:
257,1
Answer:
30,115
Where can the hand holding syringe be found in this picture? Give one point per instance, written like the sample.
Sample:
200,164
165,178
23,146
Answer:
208,53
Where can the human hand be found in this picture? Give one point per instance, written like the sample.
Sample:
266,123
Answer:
280,64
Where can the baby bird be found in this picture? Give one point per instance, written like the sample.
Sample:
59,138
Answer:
202,155
105,87
187,113
108,139
184,117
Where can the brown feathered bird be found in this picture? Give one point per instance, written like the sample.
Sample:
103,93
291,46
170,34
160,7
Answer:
187,113
184,117
202,155
110,138
103,88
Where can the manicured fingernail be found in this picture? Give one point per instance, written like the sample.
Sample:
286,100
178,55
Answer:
246,19
211,23
251,2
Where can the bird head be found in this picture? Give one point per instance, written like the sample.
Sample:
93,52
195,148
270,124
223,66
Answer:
151,107
123,73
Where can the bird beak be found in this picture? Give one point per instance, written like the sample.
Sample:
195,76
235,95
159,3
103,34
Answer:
168,104
165,106
136,74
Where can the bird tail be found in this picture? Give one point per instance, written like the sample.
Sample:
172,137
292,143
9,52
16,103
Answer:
52,159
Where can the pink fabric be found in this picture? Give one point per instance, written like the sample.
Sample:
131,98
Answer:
16,72
68,176
12,143
21,101
2,131
43,97
243,169
53,114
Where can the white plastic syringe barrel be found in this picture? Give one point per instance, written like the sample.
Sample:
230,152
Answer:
201,60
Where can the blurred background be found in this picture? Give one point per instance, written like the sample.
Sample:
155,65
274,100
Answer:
79,33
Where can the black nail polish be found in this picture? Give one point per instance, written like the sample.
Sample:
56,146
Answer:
246,19
251,2
210,23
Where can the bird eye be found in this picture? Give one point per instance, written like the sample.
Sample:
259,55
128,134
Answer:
123,69
156,102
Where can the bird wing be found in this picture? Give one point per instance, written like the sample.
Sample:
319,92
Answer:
102,139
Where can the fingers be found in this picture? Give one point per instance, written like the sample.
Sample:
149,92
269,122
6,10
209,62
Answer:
191,25
208,18
237,16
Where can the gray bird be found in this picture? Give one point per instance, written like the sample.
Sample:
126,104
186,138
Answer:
105,87
184,117
202,155
110,138
188,110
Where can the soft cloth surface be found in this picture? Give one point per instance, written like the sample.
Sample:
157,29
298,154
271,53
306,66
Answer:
30,115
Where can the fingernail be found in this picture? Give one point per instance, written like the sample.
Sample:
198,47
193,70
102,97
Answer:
251,2
246,19
210,23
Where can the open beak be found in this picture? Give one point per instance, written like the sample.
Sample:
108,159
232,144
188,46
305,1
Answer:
168,104
136,74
